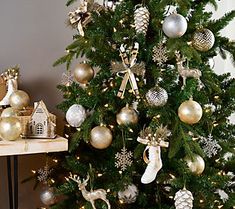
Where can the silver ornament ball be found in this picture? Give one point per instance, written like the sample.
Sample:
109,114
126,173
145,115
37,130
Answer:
203,40
76,115
174,25
129,195
157,96
47,196
127,116
101,137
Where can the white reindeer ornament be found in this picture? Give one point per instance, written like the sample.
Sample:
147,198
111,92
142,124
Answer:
186,72
90,196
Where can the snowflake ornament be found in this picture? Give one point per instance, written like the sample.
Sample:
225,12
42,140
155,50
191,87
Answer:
67,78
43,173
210,146
222,194
123,159
159,54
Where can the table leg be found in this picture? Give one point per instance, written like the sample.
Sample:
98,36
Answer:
10,193
15,181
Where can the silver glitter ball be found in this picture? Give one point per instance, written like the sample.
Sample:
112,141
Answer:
174,25
203,40
129,195
157,96
47,196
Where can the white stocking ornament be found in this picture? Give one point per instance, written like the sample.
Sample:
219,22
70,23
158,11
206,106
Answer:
154,164
154,142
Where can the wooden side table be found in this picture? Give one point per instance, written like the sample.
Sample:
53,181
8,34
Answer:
24,147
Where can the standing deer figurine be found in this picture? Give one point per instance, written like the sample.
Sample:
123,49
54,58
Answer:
186,72
92,195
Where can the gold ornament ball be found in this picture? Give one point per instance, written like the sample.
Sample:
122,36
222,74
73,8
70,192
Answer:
19,99
83,73
101,137
127,116
10,128
196,165
9,112
190,112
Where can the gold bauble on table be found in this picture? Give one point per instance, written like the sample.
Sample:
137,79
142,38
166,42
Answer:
9,112
83,73
127,116
10,128
19,99
101,137
195,164
190,112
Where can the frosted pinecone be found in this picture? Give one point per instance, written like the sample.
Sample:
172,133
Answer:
183,199
141,20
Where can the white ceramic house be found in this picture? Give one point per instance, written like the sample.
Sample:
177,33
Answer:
42,124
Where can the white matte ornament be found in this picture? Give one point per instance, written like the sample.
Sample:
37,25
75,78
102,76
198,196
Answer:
128,195
76,115
183,199
174,25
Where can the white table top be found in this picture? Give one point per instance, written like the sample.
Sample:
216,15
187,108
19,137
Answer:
33,146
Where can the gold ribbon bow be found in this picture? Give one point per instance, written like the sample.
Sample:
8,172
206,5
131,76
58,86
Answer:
82,15
129,67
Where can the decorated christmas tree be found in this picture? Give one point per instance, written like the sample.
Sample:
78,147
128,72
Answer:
148,118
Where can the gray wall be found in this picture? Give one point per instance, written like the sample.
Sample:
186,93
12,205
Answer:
33,35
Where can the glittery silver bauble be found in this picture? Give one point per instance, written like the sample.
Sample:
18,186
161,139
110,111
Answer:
19,99
174,26
101,137
141,20
83,73
190,112
76,115
183,199
203,40
47,196
127,116
195,164
129,195
9,112
10,128
157,96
